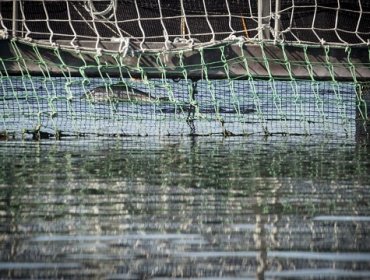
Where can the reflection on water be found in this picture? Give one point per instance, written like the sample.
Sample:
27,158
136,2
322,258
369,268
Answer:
160,208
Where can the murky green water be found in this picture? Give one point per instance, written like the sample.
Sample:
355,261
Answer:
153,208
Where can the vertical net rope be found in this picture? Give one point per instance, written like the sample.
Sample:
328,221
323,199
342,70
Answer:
179,67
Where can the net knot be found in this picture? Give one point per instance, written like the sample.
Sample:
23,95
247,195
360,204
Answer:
77,49
111,8
99,52
234,38
54,45
124,46
4,34
179,40
167,41
182,41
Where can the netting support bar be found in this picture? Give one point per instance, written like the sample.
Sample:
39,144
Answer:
264,12
277,19
14,18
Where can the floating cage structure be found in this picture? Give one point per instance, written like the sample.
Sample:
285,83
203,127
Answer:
161,67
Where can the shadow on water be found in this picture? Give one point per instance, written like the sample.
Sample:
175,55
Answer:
154,208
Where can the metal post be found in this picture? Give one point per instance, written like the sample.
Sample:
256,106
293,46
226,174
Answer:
264,13
15,19
2,31
277,20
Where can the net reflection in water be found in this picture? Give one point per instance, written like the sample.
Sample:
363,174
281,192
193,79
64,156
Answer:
142,208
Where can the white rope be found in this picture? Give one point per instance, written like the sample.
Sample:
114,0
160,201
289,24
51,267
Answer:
336,22
83,18
71,25
321,40
110,21
184,17
102,20
97,41
3,28
24,23
167,41
140,25
230,19
90,8
359,22
291,23
48,25
208,22
122,40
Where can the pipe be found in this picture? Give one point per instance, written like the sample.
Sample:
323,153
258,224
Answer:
263,19
277,20
14,18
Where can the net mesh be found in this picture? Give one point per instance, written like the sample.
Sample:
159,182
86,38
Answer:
336,22
156,67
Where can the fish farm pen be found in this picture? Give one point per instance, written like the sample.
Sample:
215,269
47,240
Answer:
265,174
156,67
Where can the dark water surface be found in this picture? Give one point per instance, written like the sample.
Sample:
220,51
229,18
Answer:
161,208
